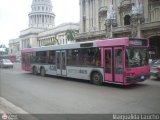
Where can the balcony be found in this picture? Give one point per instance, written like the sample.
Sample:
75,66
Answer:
125,5
90,35
103,10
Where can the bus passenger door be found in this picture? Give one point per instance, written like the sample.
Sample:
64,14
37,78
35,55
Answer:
108,69
118,64
61,63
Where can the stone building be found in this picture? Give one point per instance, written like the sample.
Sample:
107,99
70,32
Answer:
41,29
93,14
41,18
14,47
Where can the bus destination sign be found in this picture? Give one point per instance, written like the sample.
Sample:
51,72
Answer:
138,42
135,42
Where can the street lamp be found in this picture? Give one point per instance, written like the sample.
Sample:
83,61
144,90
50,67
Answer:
110,22
137,18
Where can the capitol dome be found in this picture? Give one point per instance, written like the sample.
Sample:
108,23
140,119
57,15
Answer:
41,15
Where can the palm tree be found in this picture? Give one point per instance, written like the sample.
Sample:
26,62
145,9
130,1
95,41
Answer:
70,34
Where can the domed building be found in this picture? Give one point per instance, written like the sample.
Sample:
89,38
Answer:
41,29
41,18
41,15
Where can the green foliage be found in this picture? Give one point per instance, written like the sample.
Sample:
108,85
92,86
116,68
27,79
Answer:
70,34
51,43
6,50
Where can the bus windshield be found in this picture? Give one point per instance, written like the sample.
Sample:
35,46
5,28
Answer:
136,57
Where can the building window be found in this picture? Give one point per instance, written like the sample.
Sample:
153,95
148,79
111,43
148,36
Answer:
127,20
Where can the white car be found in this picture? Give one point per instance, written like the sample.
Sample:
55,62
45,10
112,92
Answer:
155,69
6,63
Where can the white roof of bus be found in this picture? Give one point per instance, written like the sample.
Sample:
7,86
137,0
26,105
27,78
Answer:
72,45
62,47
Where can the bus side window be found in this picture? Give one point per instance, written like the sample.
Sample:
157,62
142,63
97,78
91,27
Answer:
51,57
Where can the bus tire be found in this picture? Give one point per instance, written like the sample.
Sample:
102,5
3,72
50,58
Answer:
43,72
96,78
35,71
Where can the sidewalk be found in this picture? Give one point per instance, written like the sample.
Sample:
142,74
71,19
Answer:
7,108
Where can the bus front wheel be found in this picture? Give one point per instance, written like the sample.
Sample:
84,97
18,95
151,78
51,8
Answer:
43,72
96,78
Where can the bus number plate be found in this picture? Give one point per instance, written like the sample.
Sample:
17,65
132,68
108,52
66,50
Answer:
142,77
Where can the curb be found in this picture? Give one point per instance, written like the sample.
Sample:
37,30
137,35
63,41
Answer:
10,110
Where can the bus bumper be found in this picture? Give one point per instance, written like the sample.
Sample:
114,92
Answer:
135,79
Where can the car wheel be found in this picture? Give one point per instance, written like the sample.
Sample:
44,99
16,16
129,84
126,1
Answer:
158,77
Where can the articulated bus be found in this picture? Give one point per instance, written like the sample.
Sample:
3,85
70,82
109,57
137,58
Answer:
119,60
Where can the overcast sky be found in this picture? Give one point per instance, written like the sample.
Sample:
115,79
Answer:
14,16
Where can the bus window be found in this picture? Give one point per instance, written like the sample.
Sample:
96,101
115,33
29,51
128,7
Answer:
84,56
136,57
51,57
91,56
41,57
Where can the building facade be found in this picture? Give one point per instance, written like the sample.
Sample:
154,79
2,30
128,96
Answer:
93,15
14,47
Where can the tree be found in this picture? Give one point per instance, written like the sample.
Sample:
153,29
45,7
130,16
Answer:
4,48
70,34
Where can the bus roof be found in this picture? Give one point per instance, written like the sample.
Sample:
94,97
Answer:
96,43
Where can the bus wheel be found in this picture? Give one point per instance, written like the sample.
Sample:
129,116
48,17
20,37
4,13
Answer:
35,71
96,78
43,72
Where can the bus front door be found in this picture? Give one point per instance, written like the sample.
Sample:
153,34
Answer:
113,64
118,64
61,63
108,69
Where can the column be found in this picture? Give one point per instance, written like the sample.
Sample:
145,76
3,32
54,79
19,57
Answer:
97,15
94,16
82,13
90,15
87,15
145,7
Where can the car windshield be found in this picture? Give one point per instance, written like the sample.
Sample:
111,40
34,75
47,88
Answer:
6,61
136,57
157,62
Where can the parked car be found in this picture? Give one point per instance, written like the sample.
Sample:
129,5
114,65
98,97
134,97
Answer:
6,63
155,69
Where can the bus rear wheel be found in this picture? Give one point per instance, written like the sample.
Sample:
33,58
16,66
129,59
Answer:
43,72
96,78
35,71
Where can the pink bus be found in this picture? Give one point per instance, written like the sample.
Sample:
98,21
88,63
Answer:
119,60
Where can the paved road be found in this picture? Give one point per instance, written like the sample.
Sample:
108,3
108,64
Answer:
36,94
